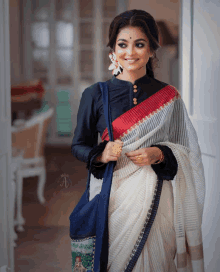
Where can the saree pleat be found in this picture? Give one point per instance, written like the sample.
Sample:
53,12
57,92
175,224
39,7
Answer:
160,248
127,213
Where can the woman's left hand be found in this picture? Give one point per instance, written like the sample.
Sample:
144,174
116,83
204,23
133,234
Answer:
144,156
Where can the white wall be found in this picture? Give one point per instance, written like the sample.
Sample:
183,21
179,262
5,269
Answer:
167,10
200,91
206,82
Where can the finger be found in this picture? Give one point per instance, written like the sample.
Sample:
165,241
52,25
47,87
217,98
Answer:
144,161
112,158
141,163
112,155
141,151
134,153
133,158
138,158
110,144
137,162
116,144
116,150
119,142
115,155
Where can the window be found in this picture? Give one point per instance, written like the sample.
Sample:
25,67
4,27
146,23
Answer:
65,46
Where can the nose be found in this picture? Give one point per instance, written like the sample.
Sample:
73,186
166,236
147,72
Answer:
130,50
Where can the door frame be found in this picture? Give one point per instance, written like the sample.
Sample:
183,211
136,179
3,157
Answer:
6,195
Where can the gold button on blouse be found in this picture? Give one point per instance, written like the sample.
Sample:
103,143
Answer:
135,88
135,101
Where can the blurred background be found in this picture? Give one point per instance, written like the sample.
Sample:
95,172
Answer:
63,43
57,49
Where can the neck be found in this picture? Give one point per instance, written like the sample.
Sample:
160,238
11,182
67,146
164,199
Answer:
132,76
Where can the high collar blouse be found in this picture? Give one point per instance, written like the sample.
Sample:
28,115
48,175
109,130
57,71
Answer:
123,95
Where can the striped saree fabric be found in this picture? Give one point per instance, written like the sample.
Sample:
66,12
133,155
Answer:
176,230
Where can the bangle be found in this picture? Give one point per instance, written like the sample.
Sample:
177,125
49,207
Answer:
161,158
96,165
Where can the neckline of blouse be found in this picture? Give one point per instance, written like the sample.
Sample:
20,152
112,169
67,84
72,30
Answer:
121,82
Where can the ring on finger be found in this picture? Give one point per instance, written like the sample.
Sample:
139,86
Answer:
116,149
139,158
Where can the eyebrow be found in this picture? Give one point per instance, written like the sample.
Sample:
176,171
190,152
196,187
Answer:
138,40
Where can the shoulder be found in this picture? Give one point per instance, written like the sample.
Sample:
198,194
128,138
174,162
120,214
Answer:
94,90
167,88
159,83
91,90
91,95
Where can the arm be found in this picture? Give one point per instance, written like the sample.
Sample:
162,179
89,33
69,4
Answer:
97,167
84,146
102,154
167,169
85,135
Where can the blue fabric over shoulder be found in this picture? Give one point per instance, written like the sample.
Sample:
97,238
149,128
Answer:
89,219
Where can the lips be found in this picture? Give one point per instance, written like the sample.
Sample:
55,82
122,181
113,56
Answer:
131,60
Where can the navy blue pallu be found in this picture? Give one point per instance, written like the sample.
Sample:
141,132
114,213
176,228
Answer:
89,219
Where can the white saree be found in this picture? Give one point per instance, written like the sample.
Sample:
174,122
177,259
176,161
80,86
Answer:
176,231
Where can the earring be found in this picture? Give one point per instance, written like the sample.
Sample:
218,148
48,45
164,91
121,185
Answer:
115,65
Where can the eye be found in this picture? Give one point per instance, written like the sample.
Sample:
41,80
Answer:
139,45
122,45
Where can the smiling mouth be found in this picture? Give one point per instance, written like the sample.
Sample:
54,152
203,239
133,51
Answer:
131,60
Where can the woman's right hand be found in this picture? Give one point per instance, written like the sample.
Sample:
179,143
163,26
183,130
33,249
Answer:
111,152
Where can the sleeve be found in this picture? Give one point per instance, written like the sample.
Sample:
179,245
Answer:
97,168
167,169
85,134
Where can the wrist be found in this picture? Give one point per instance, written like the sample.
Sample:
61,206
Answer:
98,162
98,159
160,157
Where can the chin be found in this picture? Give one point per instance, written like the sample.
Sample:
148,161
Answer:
136,68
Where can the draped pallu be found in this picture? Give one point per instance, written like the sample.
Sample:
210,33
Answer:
176,229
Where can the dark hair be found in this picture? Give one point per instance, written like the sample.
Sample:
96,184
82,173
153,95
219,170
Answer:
141,19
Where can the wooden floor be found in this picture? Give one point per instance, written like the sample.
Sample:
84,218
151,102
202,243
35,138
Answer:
44,246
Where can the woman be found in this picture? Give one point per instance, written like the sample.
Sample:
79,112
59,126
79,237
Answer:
154,142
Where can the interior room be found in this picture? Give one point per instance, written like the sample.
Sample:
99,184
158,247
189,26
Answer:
58,49
54,56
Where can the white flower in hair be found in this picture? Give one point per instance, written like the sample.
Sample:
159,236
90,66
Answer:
115,65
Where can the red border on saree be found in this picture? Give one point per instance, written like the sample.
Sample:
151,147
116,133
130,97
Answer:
149,106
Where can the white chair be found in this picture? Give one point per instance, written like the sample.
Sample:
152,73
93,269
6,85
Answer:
15,167
30,136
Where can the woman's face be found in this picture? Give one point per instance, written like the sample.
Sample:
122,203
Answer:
132,48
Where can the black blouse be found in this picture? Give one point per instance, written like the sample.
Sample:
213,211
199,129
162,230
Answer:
91,120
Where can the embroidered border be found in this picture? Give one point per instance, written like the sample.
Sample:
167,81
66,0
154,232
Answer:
83,255
146,228
145,110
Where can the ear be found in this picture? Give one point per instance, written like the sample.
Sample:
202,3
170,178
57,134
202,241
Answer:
112,50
